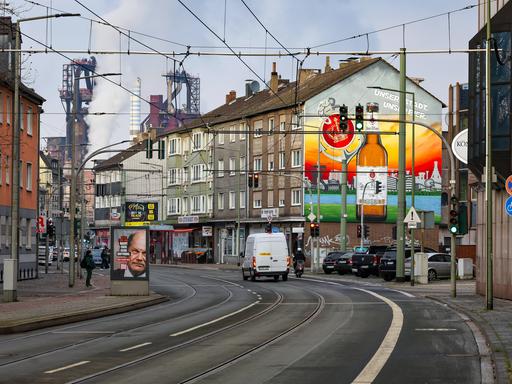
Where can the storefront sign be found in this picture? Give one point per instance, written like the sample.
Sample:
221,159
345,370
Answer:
460,146
188,219
139,212
207,231
269,212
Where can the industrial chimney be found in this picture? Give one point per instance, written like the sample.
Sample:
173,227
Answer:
135,110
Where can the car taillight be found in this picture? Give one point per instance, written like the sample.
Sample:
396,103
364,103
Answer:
349,261
254,262
374,260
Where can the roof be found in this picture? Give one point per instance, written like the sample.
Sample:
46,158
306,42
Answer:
119,157
25,91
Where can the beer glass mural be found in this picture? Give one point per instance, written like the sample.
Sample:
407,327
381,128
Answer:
372,157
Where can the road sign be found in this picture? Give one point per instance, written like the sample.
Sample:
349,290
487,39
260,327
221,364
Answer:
508,184
41,224
311,217
207,230
508,206
412,219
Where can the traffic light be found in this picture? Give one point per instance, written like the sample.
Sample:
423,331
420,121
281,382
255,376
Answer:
359,117
454,216
256,180
317,230
463,218
366,231
149,148
343,118
314,229
359,231
268,228
378,187
250,180
161,149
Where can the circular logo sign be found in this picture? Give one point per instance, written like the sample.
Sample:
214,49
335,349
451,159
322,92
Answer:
333,135
508,206
460,146
508,185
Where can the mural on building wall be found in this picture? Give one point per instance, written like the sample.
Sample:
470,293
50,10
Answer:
372,158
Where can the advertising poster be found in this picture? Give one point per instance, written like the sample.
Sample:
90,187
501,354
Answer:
140,213
129,247
372,158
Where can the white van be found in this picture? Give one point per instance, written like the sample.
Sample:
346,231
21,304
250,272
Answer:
266,254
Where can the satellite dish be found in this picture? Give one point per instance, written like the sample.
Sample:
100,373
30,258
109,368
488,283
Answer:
255,86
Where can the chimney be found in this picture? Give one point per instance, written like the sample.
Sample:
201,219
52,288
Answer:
307,73
328,67
230,97
274,80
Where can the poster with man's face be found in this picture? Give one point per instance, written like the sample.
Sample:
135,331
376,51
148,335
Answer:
129,254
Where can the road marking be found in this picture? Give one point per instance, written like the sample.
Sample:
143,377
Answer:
83,332
135,347
214,321
403,293
225,281
381,356
435,329
68,366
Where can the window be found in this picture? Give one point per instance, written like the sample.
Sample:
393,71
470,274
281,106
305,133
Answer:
281,197
281,202
197,141
22,115
257,164
270,126
185,175
197,172
210,203
184,206
7,173
1,108
282,123
29,176
220,135
232,166
282,160
296,196
232,134
243,164
270,198
29,121
258,128
220,201
175,176
21,173
295,122
174,206
242,199
232,200
198,204
257,203
175,146
243,130
296,158
8,109
220,168
271,165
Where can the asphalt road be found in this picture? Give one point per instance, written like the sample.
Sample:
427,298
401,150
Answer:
218,328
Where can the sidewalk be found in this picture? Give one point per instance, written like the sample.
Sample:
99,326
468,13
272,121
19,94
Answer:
49,301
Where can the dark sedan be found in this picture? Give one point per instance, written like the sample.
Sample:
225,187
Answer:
344,263
329,262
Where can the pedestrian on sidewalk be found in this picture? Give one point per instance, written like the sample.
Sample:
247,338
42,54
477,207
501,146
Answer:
105,258
88,264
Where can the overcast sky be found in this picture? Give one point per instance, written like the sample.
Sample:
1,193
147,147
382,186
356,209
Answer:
295,23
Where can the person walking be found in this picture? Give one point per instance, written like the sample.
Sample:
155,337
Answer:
88,264
105,258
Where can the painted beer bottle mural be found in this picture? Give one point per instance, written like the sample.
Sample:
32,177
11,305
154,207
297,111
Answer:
372,171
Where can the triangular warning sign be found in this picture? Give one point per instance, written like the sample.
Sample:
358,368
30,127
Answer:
412,217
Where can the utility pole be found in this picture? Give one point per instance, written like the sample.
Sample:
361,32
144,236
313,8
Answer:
237,241
318,178
343,212
72,193
400,216
488,164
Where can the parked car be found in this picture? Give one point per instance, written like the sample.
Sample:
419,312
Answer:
387,266
65,254
439,266
344,263
41,255
330,261
364,264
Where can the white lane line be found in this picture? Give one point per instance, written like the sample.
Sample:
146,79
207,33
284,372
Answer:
381,356
83,332
214,321
403,293
135,347
224,281
435,329
68,366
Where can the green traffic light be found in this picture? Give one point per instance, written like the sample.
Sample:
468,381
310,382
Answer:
453,229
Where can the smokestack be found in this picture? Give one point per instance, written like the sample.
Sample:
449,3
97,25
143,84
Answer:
274,79
230,97
327,64
135,110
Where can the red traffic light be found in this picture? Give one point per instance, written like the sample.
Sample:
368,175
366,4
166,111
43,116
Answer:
454,213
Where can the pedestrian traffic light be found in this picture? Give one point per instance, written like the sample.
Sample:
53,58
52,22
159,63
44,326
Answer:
359,231
359,117
161,149
268,228
343,118
317,230
250,180
378,187
149,148
454,216
256,180
312,229
366,231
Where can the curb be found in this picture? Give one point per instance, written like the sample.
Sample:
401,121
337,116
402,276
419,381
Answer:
66,318
487,357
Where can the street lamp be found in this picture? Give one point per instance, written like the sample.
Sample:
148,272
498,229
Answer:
401,243
10,293
72,197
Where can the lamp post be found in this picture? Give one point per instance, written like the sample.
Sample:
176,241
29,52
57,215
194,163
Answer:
72,197
412,167
10,292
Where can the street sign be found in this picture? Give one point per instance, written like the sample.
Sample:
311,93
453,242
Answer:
508,185
275,229
207,230
311,217
412,219
508,206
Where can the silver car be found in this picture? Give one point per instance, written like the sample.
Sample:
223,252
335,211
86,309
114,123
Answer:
439,265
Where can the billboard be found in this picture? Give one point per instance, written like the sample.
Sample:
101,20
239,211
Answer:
140,213
129,247
372,157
